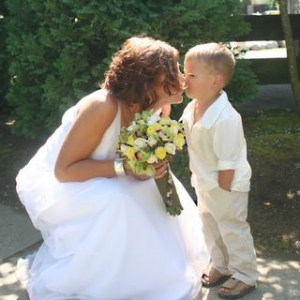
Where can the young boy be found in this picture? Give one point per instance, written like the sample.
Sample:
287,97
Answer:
220,170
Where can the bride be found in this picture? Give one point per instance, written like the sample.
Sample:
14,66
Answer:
105,230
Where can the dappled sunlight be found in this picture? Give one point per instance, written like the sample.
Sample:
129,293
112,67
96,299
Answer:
9,297
278,280
10,287
293,194
10,122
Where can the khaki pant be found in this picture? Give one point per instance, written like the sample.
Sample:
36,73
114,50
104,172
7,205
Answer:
227,233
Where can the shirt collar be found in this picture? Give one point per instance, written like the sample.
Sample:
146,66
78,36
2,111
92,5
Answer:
213,111
188,114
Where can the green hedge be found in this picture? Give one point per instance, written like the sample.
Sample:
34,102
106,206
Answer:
4,78
59,50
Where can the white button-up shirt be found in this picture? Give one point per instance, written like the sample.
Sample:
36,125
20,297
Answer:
216,142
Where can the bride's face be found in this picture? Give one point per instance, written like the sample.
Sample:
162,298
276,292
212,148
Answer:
164,98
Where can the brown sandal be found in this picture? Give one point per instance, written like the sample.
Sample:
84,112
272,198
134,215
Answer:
213,278
235,289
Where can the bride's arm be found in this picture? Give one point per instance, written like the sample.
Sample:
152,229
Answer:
73,162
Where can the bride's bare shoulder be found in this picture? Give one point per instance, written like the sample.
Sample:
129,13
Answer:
99,102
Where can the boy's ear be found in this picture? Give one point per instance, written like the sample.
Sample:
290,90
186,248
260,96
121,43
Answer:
219,81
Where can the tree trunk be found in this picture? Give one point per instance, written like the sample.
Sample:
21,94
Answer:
291,50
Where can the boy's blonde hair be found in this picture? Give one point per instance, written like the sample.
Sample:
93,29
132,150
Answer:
215,55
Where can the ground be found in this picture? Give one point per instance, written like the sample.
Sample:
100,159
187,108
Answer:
274,206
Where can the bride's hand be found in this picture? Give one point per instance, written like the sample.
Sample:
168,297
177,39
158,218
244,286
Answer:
136,176
160,169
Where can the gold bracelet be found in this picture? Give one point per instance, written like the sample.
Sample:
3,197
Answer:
119,168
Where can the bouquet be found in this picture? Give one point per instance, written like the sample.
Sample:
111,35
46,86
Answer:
150,139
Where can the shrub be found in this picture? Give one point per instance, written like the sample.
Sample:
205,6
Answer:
59,50
4,79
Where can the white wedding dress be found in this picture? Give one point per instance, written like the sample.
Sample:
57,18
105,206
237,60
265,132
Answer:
107,238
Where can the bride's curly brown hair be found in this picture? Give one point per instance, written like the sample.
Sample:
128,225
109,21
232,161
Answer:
140,64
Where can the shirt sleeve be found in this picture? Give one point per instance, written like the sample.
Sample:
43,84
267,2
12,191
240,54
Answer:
228,143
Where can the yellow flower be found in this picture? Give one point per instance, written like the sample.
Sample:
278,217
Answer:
179,140
160,152
165,121
130,140
129,153
152,129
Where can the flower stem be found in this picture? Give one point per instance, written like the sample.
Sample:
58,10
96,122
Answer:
169,194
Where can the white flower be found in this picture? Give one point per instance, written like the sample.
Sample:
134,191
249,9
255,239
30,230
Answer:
152,159
170,148
123,148
162,135
140,143
130,127
153,119
173,130
152,141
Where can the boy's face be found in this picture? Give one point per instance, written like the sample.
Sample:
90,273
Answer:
199,79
